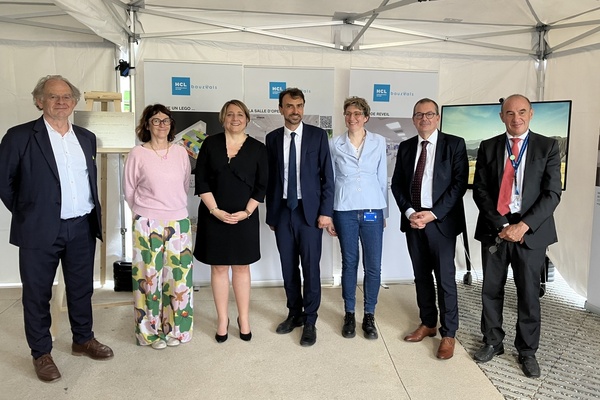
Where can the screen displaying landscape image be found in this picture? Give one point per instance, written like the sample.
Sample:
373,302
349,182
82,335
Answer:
477,122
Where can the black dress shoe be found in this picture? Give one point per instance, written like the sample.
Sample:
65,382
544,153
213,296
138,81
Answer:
530,366
488,351
309,335
349,328
290,323
246,337
368,326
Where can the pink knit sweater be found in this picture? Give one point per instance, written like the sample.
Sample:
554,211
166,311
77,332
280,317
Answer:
157,188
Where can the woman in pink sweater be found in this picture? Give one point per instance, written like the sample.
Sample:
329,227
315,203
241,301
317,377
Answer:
156,182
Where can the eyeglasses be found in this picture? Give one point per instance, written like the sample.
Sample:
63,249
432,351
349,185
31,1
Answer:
420,115
55,97
157,122
356,114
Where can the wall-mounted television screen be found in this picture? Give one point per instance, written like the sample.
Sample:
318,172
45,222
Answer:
477,122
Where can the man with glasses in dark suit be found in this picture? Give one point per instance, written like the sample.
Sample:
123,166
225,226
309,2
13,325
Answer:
429,181
48,183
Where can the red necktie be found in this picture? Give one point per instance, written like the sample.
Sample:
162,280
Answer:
508,178
415,187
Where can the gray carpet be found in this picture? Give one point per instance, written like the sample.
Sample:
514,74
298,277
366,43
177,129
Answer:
569,353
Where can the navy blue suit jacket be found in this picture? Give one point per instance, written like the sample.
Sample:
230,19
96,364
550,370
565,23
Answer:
450,177
316,175
541,189
30,185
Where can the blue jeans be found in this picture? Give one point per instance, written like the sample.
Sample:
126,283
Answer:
350,227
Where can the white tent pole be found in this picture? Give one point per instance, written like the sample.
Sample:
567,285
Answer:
541,62
132,42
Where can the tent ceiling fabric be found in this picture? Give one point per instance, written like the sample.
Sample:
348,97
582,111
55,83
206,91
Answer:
492,27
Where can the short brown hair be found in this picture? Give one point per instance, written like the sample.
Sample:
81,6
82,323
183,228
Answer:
293,92
427,100
143,131
359,103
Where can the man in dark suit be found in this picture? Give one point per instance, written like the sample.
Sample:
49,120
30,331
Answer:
48,183
429,181
299,205
516,187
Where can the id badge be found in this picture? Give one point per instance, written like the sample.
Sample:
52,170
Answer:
517,202
370,216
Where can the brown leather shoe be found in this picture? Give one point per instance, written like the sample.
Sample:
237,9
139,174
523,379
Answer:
446,349
420,333
93,349
45,368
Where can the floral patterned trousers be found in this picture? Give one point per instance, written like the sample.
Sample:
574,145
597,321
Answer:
162,280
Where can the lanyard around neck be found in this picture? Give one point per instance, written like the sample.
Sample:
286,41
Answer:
516,161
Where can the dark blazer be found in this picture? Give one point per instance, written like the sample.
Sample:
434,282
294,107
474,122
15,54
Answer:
30,185
541,189
450,175
316,175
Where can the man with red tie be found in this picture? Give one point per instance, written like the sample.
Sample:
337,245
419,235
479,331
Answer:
429,181
516,187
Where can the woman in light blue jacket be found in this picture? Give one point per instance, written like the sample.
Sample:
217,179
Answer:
360,208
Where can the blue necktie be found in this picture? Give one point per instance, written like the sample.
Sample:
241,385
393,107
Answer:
292,189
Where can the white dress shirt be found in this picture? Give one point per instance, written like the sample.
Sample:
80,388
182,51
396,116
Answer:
427,183
286,157
517,192
76,194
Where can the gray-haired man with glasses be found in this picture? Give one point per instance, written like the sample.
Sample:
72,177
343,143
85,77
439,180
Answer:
48,183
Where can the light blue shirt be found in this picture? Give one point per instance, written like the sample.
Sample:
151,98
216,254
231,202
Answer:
361,181
76,195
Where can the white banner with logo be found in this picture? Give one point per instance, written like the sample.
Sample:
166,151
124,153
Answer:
185,86
261,88
391,96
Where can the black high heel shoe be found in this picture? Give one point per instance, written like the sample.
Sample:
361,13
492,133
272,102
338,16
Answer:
244,336
222,338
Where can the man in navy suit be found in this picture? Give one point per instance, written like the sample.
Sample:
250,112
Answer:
48,183
299,205
516,187
430,202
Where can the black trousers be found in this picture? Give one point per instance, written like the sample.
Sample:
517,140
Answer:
527,265
74,248
432,254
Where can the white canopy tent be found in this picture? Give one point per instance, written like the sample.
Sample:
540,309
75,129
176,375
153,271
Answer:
484,50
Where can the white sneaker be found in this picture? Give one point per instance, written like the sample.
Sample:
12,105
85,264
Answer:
159,344
173,342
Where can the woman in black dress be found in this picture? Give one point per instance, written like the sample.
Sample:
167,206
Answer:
231,179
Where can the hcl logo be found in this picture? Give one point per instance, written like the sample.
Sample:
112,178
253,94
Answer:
275,88
180,86
381,92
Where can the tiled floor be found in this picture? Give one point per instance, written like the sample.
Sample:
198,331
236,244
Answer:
271,366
